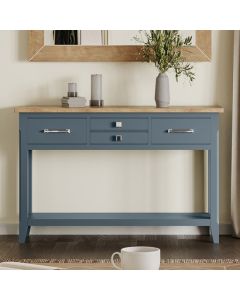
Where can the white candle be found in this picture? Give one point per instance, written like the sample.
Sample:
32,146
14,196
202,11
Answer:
96,87
72,89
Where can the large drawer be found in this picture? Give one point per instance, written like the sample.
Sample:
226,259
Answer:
118,123
181,131
120,138
56,131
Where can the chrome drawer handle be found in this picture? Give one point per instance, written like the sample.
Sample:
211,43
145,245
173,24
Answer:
171,130
117,138
118,124
56,130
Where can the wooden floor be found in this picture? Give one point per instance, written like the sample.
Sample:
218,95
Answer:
101,247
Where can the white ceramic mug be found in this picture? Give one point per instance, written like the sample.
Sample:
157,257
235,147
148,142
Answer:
138,258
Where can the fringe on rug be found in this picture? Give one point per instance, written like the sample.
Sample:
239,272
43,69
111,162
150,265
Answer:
106,261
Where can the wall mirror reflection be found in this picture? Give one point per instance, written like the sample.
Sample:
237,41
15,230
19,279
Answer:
99,37
105,45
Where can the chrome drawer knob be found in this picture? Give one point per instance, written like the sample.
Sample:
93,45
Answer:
117,138
118,124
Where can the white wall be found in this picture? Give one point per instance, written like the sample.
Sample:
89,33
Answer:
108,180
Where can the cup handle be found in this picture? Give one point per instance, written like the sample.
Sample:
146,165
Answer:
112,260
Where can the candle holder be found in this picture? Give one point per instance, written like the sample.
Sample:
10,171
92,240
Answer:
72,89
98,103
96,90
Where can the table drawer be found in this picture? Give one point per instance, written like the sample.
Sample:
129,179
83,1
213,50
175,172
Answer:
181,131
118,123
56,131
120,138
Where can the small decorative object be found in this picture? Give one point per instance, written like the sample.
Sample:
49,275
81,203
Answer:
65,37
96,90
164,49
93,37
104,37
72,89
72,100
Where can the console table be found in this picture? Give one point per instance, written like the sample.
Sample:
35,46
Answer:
124,128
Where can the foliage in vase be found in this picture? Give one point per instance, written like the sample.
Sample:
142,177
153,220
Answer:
164,49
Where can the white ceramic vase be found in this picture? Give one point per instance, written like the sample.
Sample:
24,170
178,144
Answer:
162,95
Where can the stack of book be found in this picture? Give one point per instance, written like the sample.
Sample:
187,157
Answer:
74,102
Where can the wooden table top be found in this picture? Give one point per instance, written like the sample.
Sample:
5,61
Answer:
119,109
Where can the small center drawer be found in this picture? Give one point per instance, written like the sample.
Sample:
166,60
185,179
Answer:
181,130
118,123
56,131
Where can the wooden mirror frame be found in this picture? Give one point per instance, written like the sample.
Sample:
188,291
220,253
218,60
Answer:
38,51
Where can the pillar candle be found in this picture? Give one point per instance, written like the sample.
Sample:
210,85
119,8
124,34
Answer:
72,89
96,87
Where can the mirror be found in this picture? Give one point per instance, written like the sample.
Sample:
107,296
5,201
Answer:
104,45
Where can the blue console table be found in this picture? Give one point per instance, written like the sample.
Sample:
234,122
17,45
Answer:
125,128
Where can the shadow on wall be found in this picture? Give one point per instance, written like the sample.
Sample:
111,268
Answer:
9,165
181,190
49,91
198,182
223,96
23,45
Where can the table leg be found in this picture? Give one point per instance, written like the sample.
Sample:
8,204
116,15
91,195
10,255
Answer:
213,190
25,185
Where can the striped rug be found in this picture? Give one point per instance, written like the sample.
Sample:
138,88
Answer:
105,264
104,261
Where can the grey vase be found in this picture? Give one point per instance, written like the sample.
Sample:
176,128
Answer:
162,95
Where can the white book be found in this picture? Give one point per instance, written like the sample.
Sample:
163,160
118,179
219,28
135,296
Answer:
74,105
73,99
74,102
91,37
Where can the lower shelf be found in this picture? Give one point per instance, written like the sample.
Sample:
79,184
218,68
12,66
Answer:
119,219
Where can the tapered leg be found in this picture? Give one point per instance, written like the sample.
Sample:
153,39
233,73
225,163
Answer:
29,181
213,190
25,177
24,231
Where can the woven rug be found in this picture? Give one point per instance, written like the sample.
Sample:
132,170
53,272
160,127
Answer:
105,264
